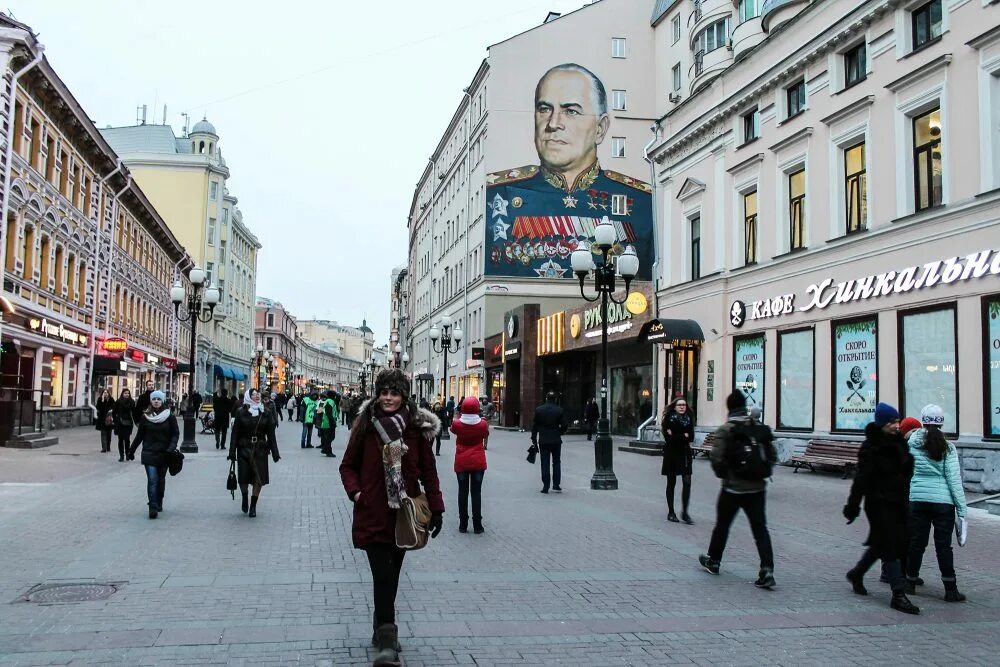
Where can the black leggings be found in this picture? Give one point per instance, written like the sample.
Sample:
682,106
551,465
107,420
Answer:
385,561
123,443
685,492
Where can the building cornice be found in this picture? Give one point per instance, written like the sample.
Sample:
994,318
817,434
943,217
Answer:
849,109
915,74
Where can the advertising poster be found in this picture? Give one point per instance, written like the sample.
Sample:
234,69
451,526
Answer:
855,374
748,369
993,336
541,208
795,380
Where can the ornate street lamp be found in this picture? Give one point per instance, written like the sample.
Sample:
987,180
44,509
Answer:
201,304
445,337
583,264
262,361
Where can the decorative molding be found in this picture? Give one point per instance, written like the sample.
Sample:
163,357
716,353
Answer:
791,139
753,159
848,109
690,188
924,70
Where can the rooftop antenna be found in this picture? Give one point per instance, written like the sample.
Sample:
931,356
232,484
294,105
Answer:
187,119
164,114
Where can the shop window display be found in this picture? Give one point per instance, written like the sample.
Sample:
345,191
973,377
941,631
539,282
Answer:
631,399
929,364
749,368
991,326
796,369
855,374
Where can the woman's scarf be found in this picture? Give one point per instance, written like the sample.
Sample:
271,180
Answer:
683,420
470,418
157,417
253,406
390,429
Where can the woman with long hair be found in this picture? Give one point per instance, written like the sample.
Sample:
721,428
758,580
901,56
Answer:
389,458
252,440
158,435
678,434
105,418
936,496
124,412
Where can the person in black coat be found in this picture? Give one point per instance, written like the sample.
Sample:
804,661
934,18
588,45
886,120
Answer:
591,413
678,434
124,413
546,432
252,440
882,480
440,411
105,419
222,408
158,435
142,403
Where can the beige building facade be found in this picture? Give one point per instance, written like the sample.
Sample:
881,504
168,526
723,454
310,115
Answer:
352,342
828,204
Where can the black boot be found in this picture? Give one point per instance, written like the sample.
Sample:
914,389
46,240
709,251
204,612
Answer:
902,603
463,524
246,502
857,582
387,656
951,593
253,506
152,511
477,525
375,625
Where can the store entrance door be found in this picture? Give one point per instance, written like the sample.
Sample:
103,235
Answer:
682,376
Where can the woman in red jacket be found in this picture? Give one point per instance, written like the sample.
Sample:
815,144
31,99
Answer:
389,457
471,432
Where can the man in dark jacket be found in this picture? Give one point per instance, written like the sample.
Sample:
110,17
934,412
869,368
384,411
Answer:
546,432
222,406
591,413
196,401
142,403
450,407
744,485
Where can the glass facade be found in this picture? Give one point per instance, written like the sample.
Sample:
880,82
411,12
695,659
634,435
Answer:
928,363
796,376
631,399
991,329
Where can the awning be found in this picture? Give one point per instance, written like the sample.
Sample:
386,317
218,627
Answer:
677,332
425,376
239,375
182,368
223,371
107,365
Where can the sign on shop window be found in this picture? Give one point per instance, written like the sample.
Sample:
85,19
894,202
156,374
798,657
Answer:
748,369
855,377
993,363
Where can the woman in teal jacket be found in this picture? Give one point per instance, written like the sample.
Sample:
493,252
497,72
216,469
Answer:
936,495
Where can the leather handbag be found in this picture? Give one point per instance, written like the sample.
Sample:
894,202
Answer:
412,518
175,462
532,453
231,483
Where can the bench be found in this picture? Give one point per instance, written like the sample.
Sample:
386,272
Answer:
705,447
837,454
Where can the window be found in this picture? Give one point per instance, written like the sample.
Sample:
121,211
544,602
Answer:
676,74
991,366
225,217
796,98
855,65
796,209
619,205
696,248
211,231
750,228
927,358
796,371
751,125
749,9
856,188
748,369
56,381
926,23
675,28
270,343
213,190
855,373
617,146
270,320
927,159
617,47
713,37
618,100
209,273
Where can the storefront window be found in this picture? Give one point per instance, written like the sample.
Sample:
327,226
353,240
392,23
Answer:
796,372
929,365
496,387
631,399
748,369
56,393
855,374
991,326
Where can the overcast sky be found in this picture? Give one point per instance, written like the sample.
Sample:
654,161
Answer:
326,112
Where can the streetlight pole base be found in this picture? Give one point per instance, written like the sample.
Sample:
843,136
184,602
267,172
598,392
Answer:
604,478
189,445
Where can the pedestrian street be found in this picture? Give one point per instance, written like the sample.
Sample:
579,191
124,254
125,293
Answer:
574,578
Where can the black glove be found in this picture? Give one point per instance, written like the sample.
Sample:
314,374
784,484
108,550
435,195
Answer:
851,512
275,457
434,525
232,456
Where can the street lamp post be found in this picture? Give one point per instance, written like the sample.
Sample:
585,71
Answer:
402,358
200,308
261,360
445,336
604,283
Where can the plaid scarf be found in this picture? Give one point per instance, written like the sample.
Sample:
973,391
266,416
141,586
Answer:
390,429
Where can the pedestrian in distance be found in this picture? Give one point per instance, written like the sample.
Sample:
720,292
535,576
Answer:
327,410
279,404
142,402
290,405
547,429
678,434
441,412
742,457
105,422
252,441
158,435
196,401
450,406
936,496
389,458
300,414
591,413
471,434
308,414
124,414
267,400
222,406
882,481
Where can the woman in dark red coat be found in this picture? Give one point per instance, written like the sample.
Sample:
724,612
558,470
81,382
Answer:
393,426
471,432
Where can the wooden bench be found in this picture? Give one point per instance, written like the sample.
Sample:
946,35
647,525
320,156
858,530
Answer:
837,454
705,447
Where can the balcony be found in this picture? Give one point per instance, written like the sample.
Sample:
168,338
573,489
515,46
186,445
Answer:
706,13
747,35
707,66
775,12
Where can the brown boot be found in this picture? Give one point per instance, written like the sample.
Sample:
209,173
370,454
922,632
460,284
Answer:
387,655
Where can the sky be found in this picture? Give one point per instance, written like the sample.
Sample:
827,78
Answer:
326,111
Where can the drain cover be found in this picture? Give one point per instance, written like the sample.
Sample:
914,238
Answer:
54,593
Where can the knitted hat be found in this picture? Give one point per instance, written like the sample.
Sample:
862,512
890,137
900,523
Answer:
393,378
885,414
907,425
470,406
932,415
736,401
160,395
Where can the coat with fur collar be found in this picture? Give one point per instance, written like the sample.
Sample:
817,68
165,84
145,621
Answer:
361,471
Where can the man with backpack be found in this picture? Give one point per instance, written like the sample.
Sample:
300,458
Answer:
742,457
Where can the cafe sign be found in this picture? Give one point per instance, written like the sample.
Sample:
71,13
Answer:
51,330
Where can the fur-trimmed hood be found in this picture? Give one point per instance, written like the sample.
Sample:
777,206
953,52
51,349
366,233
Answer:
424,420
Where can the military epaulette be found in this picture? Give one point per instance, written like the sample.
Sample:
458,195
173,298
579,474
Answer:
629,181
511,175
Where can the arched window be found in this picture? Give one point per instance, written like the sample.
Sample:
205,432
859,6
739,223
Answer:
81,282
45,260
29,252
201,147
11,243
60,275
71,288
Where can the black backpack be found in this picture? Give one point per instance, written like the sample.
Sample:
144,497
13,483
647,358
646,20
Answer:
746,453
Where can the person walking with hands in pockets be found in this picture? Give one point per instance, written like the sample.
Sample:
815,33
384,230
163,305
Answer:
158,435
471,432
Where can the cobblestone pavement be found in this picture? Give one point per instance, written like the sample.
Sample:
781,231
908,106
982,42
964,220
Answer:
578,578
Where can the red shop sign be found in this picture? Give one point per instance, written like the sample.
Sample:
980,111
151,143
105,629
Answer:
137,355
111,347
169,363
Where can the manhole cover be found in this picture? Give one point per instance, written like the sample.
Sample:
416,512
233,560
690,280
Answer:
70,592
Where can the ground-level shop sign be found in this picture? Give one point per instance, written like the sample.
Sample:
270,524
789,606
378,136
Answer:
57,330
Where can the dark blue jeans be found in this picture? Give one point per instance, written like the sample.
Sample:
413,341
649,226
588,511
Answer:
553,452
922,517
307,434
475,480
156,482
